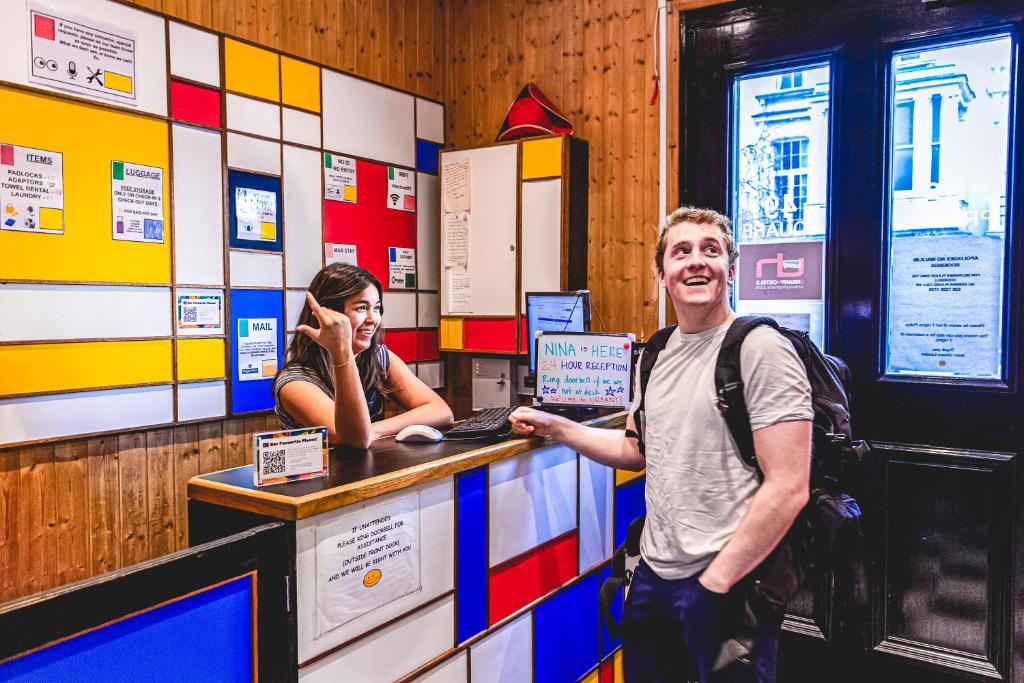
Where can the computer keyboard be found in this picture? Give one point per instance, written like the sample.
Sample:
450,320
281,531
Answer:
489,423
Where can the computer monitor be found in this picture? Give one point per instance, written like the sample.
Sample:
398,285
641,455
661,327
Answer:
555,312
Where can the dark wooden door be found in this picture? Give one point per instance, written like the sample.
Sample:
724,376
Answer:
884,135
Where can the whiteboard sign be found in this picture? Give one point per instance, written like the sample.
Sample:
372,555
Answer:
584,369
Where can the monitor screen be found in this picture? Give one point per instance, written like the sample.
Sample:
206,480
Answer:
555,312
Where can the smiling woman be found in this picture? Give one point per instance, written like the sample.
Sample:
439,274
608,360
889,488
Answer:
337,371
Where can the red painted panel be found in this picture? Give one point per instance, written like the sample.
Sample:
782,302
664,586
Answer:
489,334
522,580
426,345
402,343
524,343
195,103
607,671
368,223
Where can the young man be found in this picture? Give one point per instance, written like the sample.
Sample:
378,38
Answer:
710,522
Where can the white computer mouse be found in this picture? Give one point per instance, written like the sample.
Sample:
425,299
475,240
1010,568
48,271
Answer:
418,433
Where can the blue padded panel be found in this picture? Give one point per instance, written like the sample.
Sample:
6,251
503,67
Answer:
471,570
565,633
204,637
608,642
426,156
254,303
629,504
252,181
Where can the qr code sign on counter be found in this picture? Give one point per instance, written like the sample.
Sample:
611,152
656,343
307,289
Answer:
191,315
273,463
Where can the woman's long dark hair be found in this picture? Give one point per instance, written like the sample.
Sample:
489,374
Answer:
331,287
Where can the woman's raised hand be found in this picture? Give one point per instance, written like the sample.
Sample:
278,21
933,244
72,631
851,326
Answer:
335,333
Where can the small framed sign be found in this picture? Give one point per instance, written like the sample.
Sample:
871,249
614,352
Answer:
289,455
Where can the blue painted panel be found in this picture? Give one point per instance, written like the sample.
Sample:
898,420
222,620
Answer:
609,643
426,156
245,304
565,628
253,181
629,504
204,637
471,571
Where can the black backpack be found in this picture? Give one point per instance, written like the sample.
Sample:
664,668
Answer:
826,540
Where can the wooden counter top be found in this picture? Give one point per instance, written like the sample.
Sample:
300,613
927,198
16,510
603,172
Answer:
356,475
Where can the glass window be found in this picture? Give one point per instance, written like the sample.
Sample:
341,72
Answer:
947,239
781,125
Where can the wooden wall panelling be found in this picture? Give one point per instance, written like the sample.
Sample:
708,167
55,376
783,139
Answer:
185,459
161,492
71,473
104,507
132,473
9,502
36,559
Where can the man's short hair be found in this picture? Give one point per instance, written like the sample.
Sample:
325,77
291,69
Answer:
692,214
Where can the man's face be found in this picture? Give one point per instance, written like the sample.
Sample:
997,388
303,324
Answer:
696,270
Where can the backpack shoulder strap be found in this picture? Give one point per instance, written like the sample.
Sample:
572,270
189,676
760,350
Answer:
648,358
729,385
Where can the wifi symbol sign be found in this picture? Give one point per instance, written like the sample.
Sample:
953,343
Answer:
394,199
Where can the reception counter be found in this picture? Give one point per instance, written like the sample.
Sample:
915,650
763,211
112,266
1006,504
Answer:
442,562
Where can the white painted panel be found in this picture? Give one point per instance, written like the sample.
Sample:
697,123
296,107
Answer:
428,310
399,310
597,484
303,216
195,54
294,299
45,312
428,234
199,331
429,120
392,652
542,237
51,416
454,670
252,154
531,500
253,116
200,400
437,568
147,29
198,206
492,227
368,120
250,269
301,127
505,655
431,373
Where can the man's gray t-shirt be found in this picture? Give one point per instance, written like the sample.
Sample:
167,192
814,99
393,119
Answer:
698,487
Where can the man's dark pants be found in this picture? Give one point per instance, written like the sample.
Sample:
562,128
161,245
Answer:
673,630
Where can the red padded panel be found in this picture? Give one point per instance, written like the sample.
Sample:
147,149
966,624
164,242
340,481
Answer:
195,103
402,343
426,345
524,343
489,334
607,671
522,580
368,223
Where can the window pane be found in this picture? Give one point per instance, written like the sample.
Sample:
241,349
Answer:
946,244
780,195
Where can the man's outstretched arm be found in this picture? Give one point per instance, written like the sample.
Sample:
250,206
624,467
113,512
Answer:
607,446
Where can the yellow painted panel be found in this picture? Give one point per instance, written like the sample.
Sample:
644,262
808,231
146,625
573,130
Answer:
251,70
622,476
300,84
200,359
617,667
89,139
31,368
451,333
592,677
542,158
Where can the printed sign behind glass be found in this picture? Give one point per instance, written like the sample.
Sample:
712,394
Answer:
780,195
948,152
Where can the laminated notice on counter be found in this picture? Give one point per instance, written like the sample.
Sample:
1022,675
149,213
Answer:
289,455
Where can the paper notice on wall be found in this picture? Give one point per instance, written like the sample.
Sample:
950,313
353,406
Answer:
401,268
460,295
340,253
456,240
86,58
257,348
200,312
401,189
137,202
455,184
366,559
31,190
339,178
256,214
